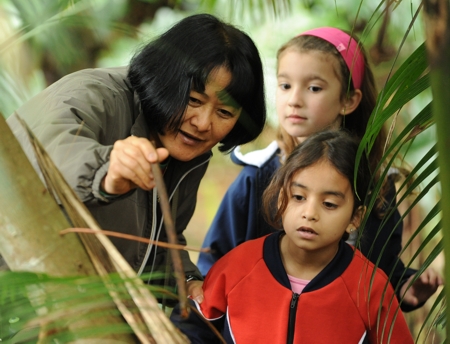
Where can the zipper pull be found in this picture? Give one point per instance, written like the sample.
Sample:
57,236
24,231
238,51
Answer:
294,300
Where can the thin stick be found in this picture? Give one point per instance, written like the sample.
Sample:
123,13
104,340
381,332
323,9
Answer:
171,236
134,238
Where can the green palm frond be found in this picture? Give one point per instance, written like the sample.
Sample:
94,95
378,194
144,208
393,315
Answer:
32,303
408,82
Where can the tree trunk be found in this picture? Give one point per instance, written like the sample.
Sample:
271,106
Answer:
30,220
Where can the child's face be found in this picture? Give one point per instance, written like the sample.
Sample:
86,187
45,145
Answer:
308,97
207,120
319,210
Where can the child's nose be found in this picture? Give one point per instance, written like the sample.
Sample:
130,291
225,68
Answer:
295,98
310,212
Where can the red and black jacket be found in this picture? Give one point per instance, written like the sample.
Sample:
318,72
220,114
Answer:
249,298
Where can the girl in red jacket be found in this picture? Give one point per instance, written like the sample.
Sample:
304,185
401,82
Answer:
304,284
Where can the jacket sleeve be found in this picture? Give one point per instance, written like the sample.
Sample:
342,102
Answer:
235,220
77,120
195,327
212,309
381,243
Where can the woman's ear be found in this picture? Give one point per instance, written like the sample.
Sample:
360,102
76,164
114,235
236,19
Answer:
351,103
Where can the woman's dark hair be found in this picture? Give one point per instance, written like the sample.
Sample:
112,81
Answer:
165,70
338,147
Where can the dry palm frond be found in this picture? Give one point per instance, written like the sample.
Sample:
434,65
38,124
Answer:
140,309
135,238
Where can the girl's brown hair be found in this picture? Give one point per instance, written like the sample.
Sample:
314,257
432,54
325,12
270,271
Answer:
356,122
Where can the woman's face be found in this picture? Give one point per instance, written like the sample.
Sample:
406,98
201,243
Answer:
207,120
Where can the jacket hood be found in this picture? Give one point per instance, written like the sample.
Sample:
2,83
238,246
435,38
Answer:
255,158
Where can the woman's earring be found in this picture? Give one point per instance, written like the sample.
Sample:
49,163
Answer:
343,111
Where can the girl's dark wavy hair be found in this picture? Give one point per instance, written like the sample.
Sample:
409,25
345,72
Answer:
165,70
338,147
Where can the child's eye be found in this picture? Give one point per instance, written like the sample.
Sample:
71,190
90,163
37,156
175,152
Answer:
285,86
329,205
315,88
298,197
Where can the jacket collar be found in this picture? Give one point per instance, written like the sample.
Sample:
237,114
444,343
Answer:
255,158
272,258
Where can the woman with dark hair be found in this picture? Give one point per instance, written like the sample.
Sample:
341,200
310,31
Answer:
197,85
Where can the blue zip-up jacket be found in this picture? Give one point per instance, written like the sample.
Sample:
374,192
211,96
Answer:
239,218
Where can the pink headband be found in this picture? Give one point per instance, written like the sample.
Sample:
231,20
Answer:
348,48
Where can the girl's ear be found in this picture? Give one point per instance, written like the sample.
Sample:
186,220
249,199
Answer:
351,103
358,216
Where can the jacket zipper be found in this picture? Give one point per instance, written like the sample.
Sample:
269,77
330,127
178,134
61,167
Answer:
292,316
